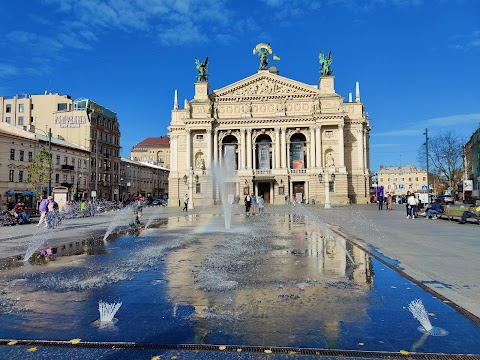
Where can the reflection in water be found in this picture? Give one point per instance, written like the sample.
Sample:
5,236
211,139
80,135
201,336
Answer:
281,267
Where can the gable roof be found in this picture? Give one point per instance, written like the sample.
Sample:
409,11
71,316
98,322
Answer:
152,143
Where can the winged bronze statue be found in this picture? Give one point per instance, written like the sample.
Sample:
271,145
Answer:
325,63
202,75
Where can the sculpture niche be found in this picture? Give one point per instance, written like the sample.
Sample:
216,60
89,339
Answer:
202,70
325,63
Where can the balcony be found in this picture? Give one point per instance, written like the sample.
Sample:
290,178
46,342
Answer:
67,185
68,167
298,171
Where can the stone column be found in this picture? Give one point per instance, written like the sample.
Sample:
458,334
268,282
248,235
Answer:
209,149
249,148
288,154
364,150
215,147
312,162
173,154
277,148
360,148
254,157
188,163
242,149
341,146
318,146
284,150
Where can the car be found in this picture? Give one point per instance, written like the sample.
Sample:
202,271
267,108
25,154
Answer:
471,200
445,199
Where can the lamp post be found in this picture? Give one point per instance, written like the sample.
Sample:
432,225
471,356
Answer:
188,180
327,186
426,149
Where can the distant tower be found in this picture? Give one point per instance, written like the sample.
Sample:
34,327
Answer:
357,92
175,101
349,97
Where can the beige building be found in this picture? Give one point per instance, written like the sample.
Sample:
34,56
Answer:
399,180
81,122
70,171
139,178
287,138
153,150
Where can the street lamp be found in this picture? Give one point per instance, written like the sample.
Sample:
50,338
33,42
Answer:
327,187
428,182
188,180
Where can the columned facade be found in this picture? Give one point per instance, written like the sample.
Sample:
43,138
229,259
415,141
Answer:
290,141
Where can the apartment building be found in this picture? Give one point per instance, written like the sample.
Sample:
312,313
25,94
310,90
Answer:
153,150
399,180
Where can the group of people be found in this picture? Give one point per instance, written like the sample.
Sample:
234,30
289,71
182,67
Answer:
19,212
252,202
49,212
87,208
388,199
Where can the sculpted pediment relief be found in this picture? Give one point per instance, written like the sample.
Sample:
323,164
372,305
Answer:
265,84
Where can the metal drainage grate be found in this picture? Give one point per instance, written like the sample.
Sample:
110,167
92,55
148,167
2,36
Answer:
240,348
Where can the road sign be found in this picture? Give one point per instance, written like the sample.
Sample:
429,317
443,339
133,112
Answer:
450,189
424,187
401,187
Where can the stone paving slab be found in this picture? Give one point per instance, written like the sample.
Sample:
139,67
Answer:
441,254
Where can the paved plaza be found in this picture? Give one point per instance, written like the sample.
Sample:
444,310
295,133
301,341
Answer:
440,254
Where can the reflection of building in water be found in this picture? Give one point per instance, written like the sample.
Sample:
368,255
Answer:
290,277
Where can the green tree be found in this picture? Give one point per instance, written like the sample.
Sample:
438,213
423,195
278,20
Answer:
39,171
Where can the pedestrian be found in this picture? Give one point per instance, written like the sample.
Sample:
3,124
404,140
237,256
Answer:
42,208
91,208
261,204
185,203
412,206
248,203
380,202
254,203
52,208
389,201
83,208
406,204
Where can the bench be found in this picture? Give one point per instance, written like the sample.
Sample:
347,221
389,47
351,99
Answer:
454,216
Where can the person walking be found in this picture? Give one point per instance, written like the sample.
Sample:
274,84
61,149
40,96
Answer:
185,203
254,204
52,209
42,208
261,204
83,208
412,206
248,203
389,201
406,205
380,202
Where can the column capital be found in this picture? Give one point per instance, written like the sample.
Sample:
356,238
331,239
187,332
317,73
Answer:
188,131
249,130
341,126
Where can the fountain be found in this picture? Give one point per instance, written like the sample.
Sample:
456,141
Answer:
156,214
418,311
121,217
107,312
223,173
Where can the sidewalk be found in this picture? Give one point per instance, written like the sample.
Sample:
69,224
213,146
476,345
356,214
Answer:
441,254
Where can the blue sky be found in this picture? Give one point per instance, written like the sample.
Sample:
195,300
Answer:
417,61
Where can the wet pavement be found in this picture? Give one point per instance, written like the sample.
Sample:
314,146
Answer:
278,280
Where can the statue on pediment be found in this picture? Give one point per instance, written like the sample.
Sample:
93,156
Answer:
325,63
263,51
315,106
202,75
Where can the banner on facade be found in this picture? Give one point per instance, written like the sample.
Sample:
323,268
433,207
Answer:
263,156
467,185
296,157
229,157
380,191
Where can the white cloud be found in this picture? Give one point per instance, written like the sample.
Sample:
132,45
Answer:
466,42
7,70
388,145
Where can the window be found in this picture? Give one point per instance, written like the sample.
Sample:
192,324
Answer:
424,178
30,156
65,160
331,186
73,161
381,179
12,154
10,175
200,137
20,176
79,163
62,107
409,179
8,120
21,108
22,155
416,178
58,160
72,179
64,178
394,179
8,108
403,179
20,120
57,178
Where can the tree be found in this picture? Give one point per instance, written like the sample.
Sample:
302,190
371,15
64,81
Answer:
445,159
39,171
